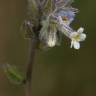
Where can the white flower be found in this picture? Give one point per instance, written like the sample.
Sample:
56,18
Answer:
77,37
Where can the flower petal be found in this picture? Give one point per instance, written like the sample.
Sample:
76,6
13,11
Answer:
82,37
72,44
80,30
76,45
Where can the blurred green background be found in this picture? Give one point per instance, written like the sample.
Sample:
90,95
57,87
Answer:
60,71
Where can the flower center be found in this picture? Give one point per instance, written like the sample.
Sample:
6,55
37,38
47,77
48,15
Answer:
76,37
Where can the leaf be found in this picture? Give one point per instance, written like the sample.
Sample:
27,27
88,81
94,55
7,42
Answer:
13,74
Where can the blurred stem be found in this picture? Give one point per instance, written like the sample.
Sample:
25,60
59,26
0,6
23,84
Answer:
28,80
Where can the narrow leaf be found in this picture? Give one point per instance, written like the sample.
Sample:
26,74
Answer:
13,74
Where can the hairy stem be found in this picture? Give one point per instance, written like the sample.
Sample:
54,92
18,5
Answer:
28,80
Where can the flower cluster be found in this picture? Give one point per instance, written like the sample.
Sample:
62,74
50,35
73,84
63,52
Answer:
55,19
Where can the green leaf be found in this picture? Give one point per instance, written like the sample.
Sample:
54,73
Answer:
13,74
